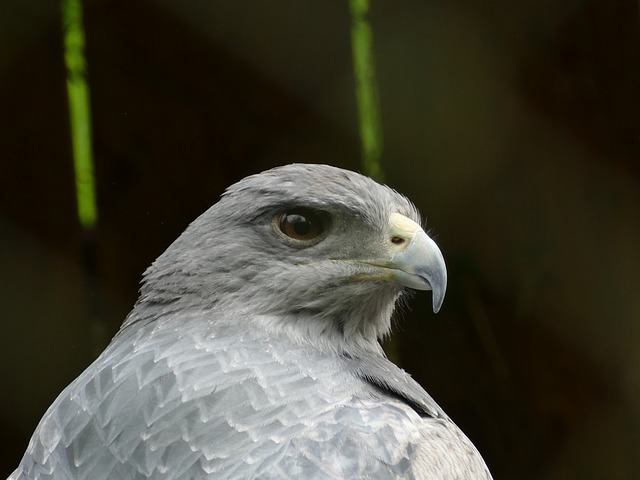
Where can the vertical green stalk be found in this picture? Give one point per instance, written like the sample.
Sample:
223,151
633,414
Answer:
79,112
366,89
80,128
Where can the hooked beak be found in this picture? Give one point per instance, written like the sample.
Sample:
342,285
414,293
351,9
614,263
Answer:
416,261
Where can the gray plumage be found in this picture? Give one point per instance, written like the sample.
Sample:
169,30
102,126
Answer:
253,349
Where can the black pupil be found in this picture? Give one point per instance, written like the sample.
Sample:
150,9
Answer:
300,224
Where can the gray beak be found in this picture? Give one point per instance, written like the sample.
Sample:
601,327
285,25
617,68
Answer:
421,266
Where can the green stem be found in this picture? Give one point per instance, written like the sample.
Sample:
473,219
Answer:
80,126
366,90
79,112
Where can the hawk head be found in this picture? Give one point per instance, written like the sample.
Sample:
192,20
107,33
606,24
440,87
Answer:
312,250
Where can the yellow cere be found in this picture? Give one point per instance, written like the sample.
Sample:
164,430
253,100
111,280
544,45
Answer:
402,227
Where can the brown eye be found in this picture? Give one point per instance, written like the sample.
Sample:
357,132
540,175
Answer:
300,225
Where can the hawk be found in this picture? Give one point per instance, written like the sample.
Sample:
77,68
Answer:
253,350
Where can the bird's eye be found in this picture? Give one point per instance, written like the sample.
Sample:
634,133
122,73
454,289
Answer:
300,224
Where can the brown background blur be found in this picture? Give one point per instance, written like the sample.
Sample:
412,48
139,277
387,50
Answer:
513,125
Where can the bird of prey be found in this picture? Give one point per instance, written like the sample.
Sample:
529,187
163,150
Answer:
253,350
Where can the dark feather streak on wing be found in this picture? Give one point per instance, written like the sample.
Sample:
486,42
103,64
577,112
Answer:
395,382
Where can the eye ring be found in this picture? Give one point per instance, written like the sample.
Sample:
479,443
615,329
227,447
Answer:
301,225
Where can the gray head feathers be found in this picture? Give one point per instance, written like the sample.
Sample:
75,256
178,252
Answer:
233,257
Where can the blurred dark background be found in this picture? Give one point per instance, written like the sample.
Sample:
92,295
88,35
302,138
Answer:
513,125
